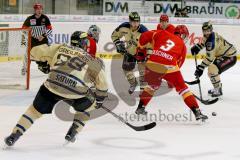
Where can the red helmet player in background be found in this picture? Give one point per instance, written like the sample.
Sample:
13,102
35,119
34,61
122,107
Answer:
164,24
169,52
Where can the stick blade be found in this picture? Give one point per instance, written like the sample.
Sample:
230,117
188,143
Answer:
206,102
209,102
145,127
197,81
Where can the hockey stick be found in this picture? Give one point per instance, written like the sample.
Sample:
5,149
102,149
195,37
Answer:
193,82
136,128
206,102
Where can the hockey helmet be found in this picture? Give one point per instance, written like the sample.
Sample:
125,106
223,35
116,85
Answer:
79,39
182,31
94,31
134,16
164,18
207,25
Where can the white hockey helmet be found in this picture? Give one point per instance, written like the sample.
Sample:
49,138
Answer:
94,31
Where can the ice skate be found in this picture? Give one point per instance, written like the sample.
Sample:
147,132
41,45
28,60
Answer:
198,115
141,109
71,134
12,139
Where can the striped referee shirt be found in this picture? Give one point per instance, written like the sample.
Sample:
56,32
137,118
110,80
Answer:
40,26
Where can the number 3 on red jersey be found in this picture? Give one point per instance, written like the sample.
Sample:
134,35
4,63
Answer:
169,45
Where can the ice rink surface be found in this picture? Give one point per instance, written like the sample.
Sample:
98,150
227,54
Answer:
105,138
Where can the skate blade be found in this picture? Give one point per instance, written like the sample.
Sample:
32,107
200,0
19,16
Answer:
5,147
66,143
202,121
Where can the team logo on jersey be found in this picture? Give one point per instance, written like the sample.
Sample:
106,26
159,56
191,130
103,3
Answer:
209,46
33,22
43,21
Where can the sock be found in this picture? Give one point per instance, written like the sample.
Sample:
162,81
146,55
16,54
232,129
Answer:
146,95
27,120
190,100
80,119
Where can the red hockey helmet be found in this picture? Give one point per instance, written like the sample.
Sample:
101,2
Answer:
164,18
182,31
37,6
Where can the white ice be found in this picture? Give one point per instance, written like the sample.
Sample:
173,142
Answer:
105,138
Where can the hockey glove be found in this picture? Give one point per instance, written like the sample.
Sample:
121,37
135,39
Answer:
120,47
199,71
44,67
99,101
196,49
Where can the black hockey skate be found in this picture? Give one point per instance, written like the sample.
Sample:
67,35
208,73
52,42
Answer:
71,134
132,87
12,139
198,115
141,109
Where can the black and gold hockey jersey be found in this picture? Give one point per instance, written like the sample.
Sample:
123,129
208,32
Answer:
73,71
130,37
216,47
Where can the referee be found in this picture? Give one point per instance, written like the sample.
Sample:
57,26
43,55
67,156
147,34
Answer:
40,24
41,29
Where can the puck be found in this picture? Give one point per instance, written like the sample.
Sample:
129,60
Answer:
214,114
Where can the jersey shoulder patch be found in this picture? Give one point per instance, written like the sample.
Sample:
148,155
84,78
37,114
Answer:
123,25
210,42
142,28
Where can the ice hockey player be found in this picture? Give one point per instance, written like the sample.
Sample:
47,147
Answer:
85,40
220,56
169,52
164,24
131,31
73,72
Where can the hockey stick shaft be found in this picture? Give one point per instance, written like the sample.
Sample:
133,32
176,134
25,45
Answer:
199,84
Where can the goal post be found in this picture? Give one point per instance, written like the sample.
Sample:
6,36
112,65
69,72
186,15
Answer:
15,46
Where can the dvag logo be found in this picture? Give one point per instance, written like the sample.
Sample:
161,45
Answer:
164,8
115,7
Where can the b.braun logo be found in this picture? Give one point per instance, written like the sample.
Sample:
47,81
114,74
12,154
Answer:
115,7
232,12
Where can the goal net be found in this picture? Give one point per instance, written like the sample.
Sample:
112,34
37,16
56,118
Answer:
14,58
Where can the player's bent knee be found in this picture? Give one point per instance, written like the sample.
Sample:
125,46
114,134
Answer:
151,89
213,70
128,66
82,104
33,113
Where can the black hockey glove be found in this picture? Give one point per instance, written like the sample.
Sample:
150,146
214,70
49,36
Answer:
120,47
141,57
99,101
44,67
196,49
199,71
